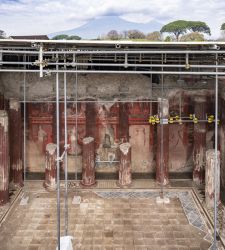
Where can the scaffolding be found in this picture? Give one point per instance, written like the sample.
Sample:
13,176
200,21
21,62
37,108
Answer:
49,57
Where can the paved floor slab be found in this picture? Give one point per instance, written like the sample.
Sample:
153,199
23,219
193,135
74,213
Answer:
101,223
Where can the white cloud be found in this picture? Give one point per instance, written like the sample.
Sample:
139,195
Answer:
44,16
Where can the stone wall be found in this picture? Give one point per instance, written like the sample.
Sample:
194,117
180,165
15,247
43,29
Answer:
98,86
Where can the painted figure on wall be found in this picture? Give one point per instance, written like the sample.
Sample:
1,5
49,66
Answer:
177,148
72,142
141,147
42,138
106,131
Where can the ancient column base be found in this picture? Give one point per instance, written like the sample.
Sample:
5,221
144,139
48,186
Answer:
49,186
198,176
209,178
162,180
50,167
88,163
125,178
223,225
123,185
4,197
18,178
164,183
85,185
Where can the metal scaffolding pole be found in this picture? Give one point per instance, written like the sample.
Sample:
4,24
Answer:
24,128
58,162
94,101
65,159
208,66
119,65
216,159
200,73
83,52
76,123
41,60
161,137
24,124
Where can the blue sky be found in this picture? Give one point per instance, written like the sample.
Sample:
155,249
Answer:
23,17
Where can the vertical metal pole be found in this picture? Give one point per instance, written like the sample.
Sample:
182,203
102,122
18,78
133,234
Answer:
161,137
76,122
126,61
65,160
180,99
58,164
216,156
24,128
41,60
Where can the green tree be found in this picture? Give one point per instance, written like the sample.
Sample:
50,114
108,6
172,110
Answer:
222,27
60,37
2,34
177,28
180,27
74,37
192,37
154,36
197,26
169,39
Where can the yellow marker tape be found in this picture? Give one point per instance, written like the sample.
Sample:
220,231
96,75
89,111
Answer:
195,120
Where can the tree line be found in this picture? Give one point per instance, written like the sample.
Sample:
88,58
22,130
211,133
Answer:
66,37
180,30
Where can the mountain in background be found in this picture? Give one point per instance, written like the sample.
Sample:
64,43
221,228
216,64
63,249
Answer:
101,26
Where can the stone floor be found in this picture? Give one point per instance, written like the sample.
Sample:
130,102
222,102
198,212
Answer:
14,192
103,220
200,191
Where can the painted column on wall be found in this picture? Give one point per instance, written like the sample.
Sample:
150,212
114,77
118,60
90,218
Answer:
88,164
199,139
90,114
4,158
15,142
123,122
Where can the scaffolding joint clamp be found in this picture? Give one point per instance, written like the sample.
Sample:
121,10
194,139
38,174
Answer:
66,146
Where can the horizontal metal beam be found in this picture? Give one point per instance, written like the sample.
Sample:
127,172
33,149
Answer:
83,52
117,72
120,65
93,101
136,52
107,42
